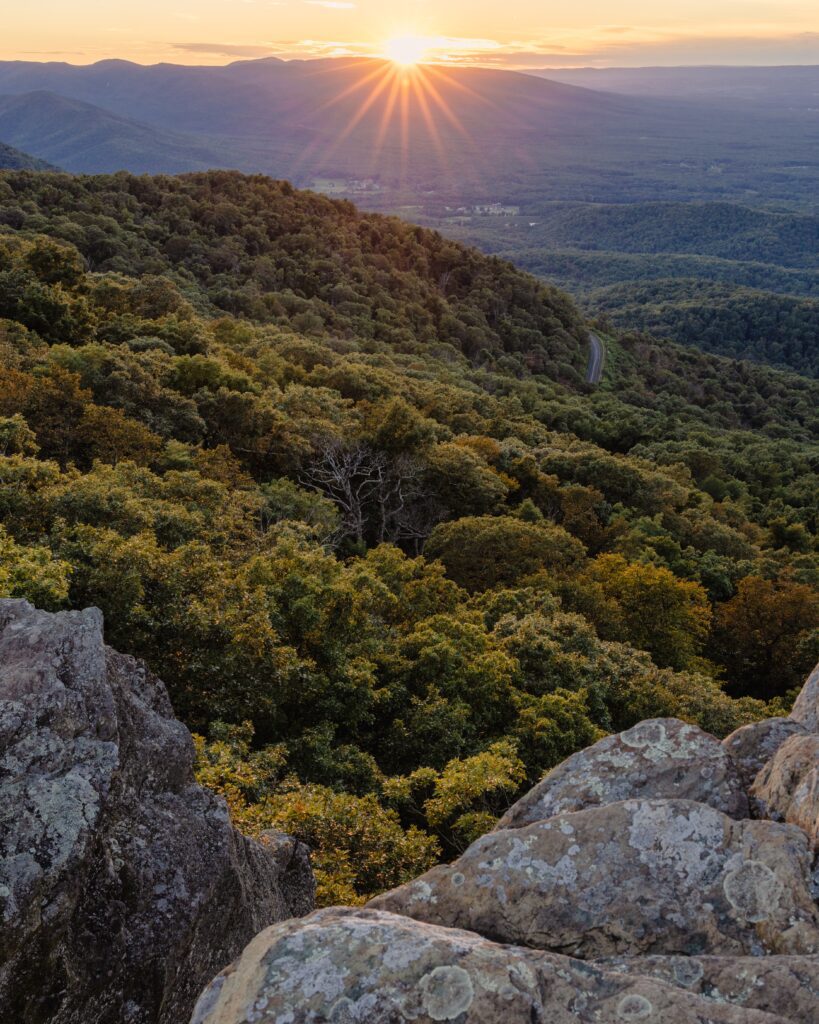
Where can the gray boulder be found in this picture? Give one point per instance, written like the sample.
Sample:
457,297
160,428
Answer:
787,788
806,708
123,885
752,746
366,967
784,986
638,877
661,757
590,902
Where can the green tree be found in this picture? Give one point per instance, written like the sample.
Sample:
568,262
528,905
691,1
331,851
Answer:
767,636
33,573
652,609
481,552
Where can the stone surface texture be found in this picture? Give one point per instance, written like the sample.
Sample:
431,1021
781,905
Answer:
779,985
752,746
659,877
123,885
345,966
806,709
642,876
787,788
659,758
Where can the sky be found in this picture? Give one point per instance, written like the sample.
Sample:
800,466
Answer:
501,33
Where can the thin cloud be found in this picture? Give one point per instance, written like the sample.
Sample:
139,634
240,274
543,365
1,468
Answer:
625,47
611,46
225,49
798,48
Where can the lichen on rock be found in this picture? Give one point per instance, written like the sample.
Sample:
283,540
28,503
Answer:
706,914
640,876
393,970
661,757
123,885
753,745
784,986
787,787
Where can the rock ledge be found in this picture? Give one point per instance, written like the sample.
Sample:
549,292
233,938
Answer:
123,885
631,885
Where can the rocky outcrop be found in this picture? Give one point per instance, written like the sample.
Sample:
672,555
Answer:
346,966
643,876
806,709
752,746
787,788
785,986
632,884
123,885
661,758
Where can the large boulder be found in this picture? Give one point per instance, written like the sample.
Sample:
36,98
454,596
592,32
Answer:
123,885
366,967
784,986
642,876
662,757
752,746
787,788
806,708
691,910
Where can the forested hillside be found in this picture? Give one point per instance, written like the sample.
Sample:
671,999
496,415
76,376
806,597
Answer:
723,277
14,160
584,271
748,324
340,482
85,137
726,230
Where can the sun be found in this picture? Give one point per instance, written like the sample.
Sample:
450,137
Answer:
406,51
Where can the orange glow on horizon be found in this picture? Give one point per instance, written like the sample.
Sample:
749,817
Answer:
520,34
407,51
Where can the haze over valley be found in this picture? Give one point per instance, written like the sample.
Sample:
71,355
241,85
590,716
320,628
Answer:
585,162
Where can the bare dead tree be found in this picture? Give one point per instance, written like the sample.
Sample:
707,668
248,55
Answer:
349,477
381,497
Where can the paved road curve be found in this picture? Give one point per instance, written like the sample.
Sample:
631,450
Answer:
597,359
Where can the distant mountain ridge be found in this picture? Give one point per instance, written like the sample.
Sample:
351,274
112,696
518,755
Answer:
456,132
792,86
12,159
84,138
652,175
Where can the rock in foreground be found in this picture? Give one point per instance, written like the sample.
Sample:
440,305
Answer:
123,885
670,895
662,757
787,788
785,986
806,709
369,967
643,876
752,746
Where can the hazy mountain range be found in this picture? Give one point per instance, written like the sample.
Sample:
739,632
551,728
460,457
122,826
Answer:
679,198
12,159
794,89
459,132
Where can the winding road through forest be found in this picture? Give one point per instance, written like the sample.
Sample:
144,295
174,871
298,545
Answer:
597,359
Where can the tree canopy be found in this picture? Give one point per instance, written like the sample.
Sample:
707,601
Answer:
341,484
